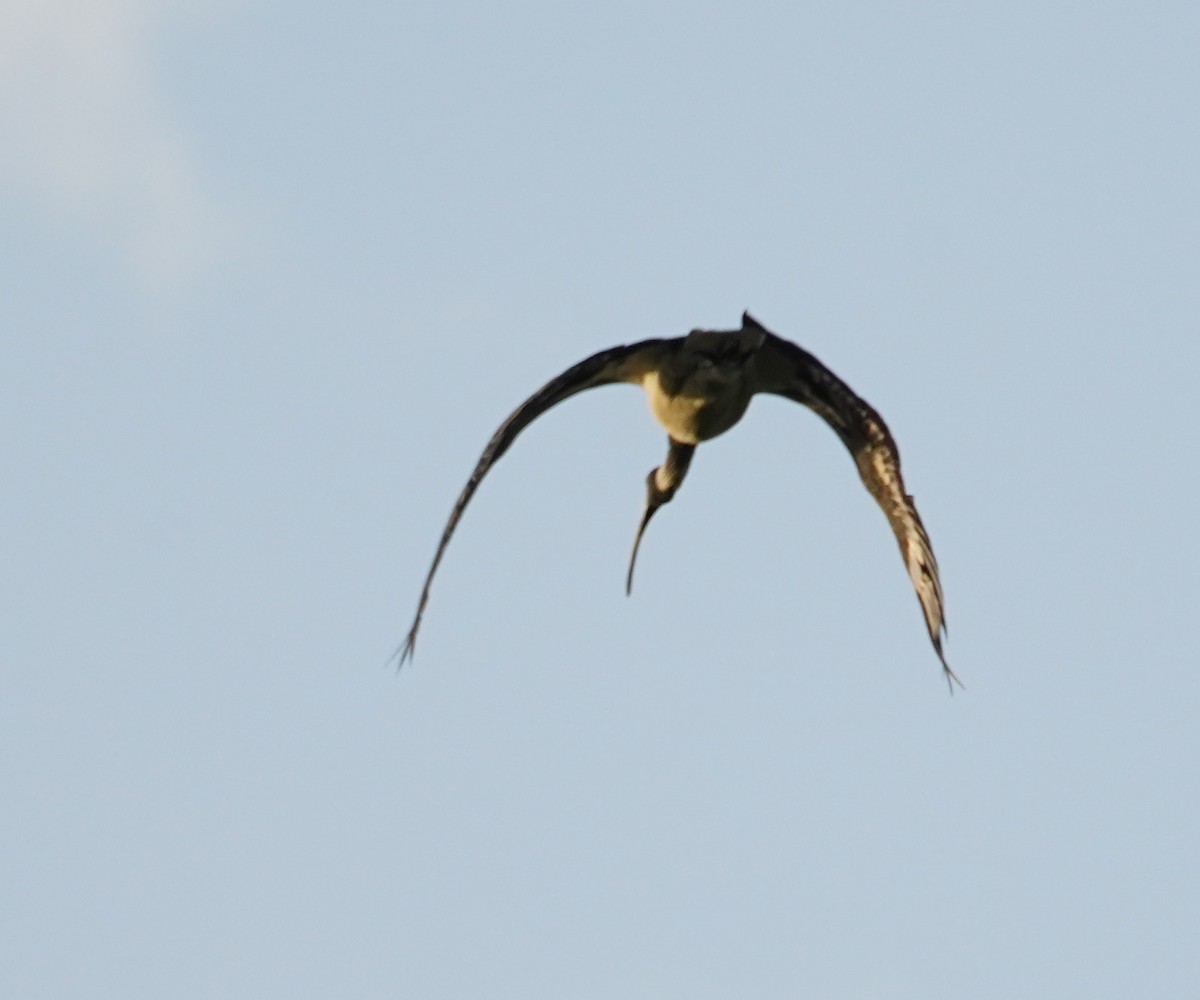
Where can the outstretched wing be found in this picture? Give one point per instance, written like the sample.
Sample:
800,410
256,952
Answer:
617,364
784,369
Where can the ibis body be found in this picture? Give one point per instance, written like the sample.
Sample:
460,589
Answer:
698,387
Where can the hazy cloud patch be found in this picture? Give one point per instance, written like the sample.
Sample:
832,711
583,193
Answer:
91,142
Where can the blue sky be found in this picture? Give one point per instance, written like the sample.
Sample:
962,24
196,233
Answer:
273,274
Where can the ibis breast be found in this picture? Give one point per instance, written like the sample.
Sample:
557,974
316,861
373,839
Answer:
700,410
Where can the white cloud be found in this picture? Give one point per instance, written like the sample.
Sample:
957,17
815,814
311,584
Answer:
88,137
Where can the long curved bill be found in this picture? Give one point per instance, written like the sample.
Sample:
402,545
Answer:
637,544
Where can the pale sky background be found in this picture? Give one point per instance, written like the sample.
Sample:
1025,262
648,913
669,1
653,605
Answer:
271,275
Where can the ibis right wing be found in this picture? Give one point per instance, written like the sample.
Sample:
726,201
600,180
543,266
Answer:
628,363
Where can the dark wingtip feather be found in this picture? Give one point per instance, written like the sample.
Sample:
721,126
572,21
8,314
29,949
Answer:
404,652
951,676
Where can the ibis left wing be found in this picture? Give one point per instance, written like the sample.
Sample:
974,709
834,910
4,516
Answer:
784,369
617,364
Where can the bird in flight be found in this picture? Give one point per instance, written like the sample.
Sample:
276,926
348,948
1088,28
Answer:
699,386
